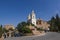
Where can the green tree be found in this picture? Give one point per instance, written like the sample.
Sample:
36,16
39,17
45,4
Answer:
1,31
55,23
22,28
52,23
28,23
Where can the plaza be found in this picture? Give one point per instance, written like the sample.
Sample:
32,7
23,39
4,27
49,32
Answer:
47,36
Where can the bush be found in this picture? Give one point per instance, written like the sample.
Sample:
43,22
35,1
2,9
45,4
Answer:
25,30
4,30
40,29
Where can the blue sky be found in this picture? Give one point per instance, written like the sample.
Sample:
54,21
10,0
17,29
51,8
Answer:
15,11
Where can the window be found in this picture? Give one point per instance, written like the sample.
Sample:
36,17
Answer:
33,22
33,17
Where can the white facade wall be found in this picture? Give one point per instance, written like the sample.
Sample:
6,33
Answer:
32,18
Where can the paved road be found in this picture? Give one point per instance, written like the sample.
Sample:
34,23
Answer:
48,36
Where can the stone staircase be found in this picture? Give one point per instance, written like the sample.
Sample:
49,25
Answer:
35,32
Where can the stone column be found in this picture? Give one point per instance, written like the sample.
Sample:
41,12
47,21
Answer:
6,35
9,34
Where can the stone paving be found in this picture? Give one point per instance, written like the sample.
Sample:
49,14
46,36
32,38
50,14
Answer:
48,36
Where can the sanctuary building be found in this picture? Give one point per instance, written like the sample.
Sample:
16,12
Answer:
39,23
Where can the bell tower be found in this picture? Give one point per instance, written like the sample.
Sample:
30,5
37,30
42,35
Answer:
33,18
29,17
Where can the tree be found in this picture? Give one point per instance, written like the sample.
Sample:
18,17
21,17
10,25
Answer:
28,23
55,23
1,31
52,24
22,28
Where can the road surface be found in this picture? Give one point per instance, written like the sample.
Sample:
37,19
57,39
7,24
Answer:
48,36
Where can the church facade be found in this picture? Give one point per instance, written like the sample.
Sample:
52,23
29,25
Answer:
39,23
32,18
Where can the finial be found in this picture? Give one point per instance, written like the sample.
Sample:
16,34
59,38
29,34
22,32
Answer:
32,11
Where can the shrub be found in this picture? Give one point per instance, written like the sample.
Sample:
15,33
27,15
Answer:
40,29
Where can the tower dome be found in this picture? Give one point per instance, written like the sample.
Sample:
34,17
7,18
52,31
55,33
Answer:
29,17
